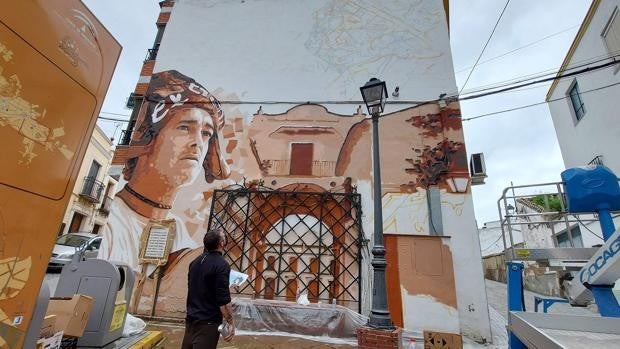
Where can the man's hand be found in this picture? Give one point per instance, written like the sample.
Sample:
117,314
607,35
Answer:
231,331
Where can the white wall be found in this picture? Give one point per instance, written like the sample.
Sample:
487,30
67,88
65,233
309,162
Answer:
468,274
598,132
491,241
321,50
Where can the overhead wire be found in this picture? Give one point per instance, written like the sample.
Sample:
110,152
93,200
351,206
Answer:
508,87
519,48
482,88
529,83
485,45
585,226
542,74
484,94
535,104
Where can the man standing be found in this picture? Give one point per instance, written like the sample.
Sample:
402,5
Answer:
208,296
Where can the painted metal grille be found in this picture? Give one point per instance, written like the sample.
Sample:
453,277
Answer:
293,242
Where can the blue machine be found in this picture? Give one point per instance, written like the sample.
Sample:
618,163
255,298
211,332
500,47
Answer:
591,189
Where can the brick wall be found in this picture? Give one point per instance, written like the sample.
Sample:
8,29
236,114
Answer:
371,338
147,68
120,155
141,89
163,18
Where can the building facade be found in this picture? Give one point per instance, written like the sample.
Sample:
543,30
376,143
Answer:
584,107
288,170
94,188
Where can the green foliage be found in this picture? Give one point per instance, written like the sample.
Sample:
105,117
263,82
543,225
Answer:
553,202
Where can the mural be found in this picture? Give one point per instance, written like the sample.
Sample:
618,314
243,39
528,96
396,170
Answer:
177,141
394,31
185,145
280,158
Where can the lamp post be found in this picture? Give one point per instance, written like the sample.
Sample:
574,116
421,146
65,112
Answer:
374,93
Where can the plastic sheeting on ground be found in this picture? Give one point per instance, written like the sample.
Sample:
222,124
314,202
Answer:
312,320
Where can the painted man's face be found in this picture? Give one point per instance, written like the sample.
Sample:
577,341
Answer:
181,146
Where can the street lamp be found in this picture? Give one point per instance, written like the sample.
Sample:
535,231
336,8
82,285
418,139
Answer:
374,93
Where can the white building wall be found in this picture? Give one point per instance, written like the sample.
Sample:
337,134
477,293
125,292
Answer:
468,273
597,133
100,150
320,50
258,52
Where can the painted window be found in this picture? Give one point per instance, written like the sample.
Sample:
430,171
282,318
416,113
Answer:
301,159
611,34
564,240
577,101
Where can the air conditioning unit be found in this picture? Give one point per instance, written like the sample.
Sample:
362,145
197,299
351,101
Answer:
477,169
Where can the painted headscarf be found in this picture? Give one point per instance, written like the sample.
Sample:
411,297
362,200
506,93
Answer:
169,90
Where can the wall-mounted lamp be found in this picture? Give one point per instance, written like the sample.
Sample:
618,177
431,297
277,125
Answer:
510,210
458,184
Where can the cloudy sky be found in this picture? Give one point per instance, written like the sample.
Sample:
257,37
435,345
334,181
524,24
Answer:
519,146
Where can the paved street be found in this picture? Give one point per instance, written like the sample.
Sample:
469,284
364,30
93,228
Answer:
496,293
246,340
51,280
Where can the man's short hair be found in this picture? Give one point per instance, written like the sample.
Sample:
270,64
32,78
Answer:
212,239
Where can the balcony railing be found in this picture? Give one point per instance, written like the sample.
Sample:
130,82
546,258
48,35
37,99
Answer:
151,54
125,137
92,189
598,160
105,205
319,168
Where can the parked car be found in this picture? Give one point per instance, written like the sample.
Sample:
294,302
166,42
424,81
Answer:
67,245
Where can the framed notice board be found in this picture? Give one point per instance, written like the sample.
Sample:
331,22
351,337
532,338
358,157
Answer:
156,242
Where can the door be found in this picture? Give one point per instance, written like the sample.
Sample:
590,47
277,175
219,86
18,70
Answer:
301,159
76,222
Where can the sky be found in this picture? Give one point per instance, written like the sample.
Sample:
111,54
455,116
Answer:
519,146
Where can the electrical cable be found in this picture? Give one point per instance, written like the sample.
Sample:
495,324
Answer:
557,77
585,226
485,46
533,76
535,104
417,104
112,119
407,102
518,48
105,112
551,71
485,94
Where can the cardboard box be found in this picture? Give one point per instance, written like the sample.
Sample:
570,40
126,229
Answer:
47,327
71,313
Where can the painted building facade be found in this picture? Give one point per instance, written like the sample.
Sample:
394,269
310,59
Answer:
286,157
584,107
94,188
